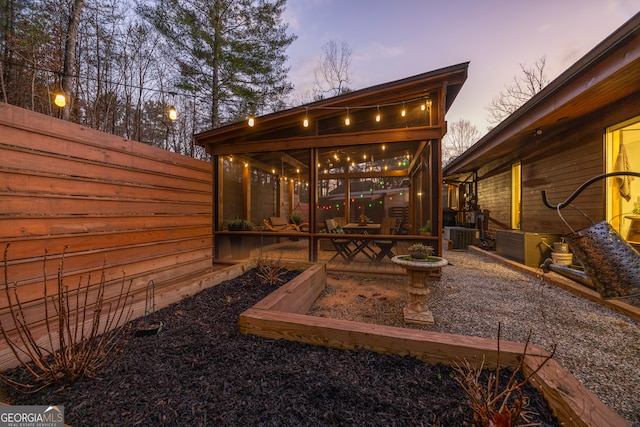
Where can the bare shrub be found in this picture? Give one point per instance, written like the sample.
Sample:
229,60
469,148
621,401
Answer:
271,271
86,333
492,405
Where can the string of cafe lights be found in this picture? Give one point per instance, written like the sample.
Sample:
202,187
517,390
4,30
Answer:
60,99
425,105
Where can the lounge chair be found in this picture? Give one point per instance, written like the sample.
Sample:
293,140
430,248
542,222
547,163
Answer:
281,224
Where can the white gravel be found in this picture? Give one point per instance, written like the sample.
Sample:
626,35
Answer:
599,347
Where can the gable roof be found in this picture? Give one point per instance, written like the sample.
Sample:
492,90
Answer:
606,74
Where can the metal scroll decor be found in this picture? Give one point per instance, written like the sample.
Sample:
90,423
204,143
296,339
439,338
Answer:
610,262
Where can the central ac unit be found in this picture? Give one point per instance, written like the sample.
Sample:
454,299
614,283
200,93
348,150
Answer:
461,237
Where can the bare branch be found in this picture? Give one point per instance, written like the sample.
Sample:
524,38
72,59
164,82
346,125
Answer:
460,136
531,80
333,71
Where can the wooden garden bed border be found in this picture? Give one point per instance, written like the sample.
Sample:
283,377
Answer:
282,315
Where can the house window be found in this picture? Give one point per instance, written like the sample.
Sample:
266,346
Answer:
516,187
623,193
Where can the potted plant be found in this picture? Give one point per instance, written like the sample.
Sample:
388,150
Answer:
420,251
240,224
426,228
238,250
296,218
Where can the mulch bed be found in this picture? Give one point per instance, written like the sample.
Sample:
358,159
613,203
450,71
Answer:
198,370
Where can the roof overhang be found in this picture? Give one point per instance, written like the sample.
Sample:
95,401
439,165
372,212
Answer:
441,86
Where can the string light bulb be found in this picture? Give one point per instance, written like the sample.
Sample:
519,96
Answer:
173,113
305,122
347,120
60,100
378,116
404,110
251,121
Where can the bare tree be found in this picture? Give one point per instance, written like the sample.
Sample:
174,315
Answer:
460,136
333,72
525,85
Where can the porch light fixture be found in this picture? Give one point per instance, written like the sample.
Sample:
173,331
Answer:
173,113
426,105
60,100
347,121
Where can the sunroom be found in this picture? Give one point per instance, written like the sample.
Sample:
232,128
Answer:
365,165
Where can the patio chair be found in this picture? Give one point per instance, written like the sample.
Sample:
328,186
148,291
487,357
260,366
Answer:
281,224
387,226
341,245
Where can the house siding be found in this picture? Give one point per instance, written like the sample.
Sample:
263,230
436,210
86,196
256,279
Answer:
494,198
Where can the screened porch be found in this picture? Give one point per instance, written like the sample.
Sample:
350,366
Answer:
352,180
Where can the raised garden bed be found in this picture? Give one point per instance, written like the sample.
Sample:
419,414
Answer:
281,315
199,370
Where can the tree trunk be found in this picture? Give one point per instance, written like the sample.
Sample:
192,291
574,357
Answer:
70,53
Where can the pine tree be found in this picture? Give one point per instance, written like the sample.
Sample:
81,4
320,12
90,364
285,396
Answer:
230,53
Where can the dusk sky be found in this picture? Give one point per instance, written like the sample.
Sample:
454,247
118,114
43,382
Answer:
392,40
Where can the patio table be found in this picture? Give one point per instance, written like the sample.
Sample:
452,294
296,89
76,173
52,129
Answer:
362,245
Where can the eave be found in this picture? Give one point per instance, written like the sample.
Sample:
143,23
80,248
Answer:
284,127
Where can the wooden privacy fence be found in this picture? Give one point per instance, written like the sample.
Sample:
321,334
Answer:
144,212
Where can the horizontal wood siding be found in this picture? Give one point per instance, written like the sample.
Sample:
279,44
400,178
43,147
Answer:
90,199
560,176
494,195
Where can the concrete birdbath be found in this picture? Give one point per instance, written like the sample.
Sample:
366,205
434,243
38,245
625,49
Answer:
419,271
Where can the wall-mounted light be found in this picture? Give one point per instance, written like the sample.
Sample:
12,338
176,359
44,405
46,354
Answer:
173,113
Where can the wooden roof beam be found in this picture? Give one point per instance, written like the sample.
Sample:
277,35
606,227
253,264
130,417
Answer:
421,133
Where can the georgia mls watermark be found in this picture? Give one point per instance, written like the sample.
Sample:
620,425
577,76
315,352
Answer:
32,416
